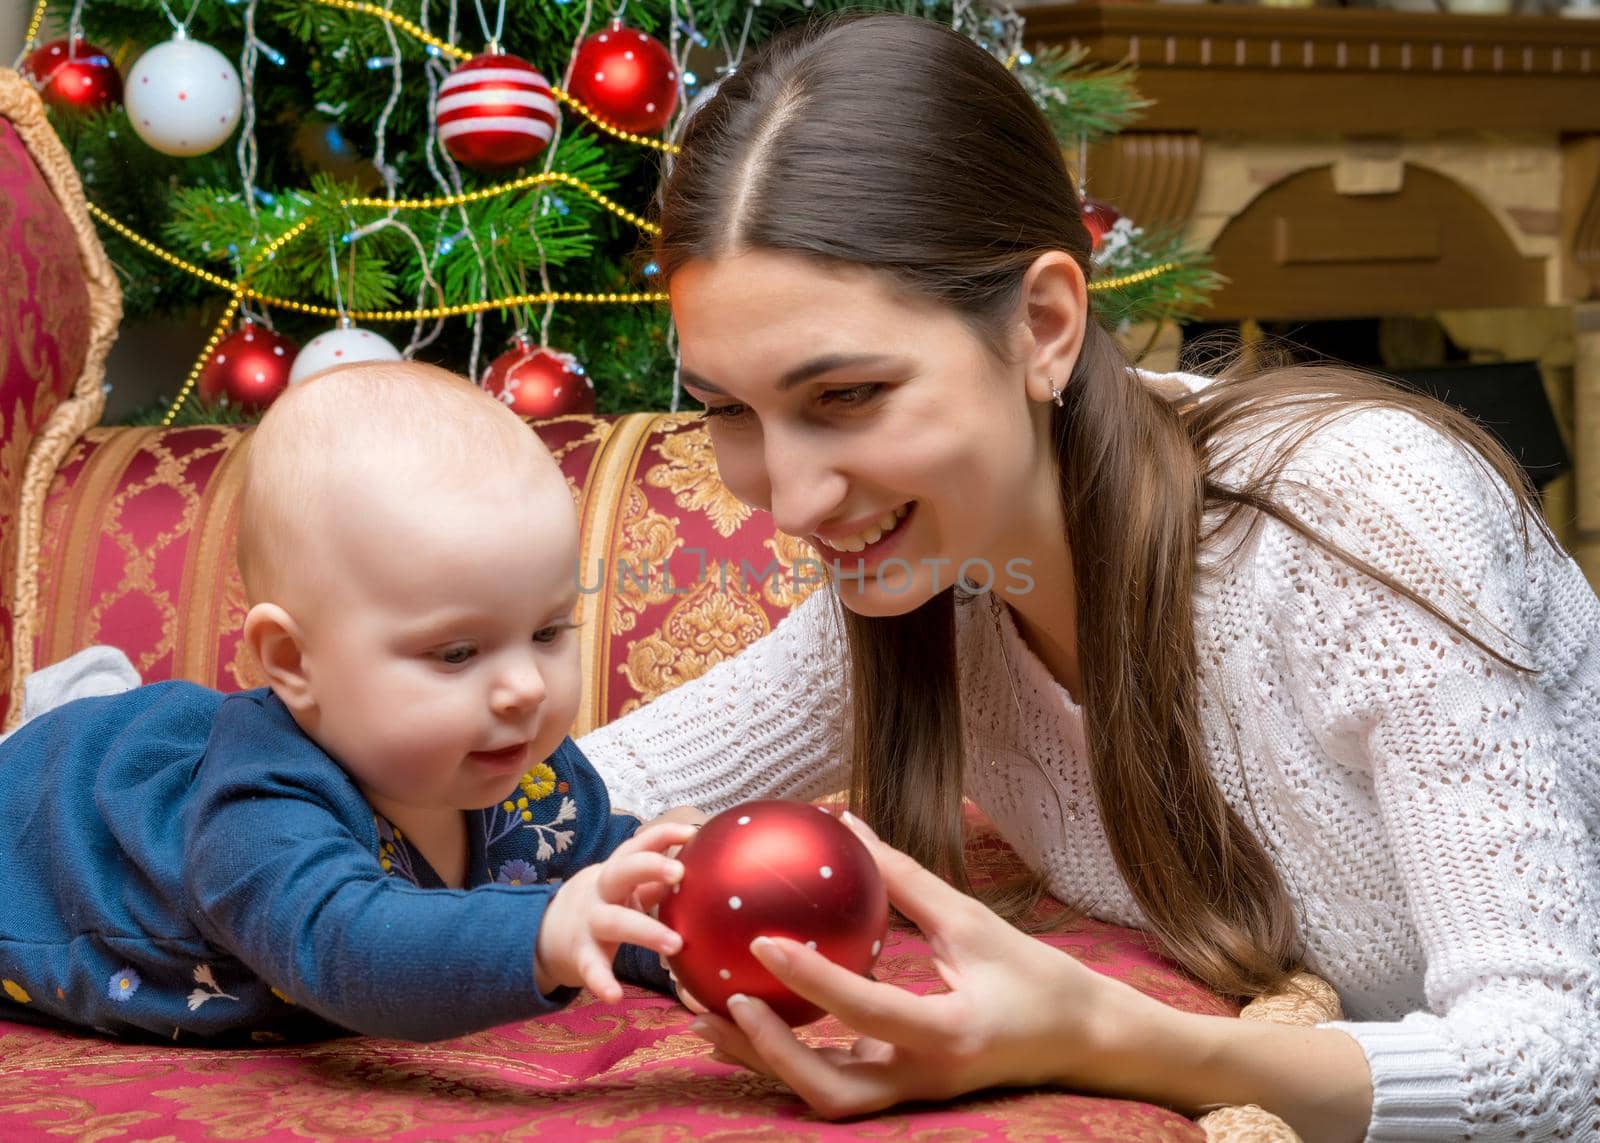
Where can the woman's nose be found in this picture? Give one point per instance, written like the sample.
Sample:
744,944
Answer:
805,486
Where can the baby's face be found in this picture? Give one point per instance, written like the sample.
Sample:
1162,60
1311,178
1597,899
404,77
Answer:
440,651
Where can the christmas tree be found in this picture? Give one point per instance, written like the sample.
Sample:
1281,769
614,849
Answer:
345,179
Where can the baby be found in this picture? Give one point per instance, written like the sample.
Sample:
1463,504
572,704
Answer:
396,837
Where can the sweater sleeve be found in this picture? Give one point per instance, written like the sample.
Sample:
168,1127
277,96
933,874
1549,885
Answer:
280,872
771,722
1484,777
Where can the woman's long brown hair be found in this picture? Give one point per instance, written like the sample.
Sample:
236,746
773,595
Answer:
893,143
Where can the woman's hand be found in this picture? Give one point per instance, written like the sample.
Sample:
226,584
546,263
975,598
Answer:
594,912
1018,1011
1022,1013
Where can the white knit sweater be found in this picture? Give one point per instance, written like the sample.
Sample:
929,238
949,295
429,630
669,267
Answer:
1435,815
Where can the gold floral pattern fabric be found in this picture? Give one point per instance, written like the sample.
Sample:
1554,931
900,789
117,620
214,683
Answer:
627,1071
675,574
44,315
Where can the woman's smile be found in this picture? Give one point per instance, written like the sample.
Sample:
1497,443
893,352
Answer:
869,543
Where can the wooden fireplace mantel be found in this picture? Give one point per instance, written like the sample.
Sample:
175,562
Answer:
1214,67
1341,162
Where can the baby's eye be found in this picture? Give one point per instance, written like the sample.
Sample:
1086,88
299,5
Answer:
553,632
455,656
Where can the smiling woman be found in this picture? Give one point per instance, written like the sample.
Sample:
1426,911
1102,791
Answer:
1294,673
845,435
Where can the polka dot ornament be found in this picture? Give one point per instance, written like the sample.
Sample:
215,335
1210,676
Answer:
627,78
345,346
183,97
248,369
772,868
74,75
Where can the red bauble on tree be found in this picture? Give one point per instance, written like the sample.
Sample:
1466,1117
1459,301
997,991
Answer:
777,869
495,111
537,381
627,78
74,75
1099,218
249,368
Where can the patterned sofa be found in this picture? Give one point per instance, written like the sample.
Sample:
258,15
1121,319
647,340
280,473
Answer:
123,536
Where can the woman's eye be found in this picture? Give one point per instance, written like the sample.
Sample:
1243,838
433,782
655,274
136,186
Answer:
722,412
455,656
855,395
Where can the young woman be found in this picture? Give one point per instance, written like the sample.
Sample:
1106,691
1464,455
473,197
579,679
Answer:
1282,668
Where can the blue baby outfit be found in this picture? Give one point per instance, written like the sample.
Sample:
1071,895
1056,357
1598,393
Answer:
179,863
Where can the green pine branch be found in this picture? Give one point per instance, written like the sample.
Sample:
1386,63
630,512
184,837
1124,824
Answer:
317,115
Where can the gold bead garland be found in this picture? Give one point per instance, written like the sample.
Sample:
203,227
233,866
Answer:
1124,280
35,22
240,291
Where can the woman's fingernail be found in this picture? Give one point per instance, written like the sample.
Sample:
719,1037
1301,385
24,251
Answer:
737,1000
702,1029
769,952
857,824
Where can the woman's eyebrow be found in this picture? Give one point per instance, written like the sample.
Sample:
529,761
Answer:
827,363
800,374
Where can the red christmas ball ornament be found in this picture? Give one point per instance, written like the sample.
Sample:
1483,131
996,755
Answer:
777,869
495,111
74,75
1099,218
627,78
537,381
249,368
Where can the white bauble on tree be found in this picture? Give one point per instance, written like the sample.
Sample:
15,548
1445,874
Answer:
183,97
343,346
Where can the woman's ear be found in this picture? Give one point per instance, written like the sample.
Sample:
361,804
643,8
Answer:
1054,312
275,639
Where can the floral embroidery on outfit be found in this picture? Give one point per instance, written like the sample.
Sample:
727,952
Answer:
122,985
208,990
16,991
517,872
540,805
538,782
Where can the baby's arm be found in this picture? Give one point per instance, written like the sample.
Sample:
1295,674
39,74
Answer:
279,872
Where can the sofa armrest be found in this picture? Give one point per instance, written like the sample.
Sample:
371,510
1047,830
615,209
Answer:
59,309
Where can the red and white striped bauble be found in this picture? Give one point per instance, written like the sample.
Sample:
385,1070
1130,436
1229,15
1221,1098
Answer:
495,111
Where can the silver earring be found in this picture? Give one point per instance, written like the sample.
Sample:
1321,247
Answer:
1055,395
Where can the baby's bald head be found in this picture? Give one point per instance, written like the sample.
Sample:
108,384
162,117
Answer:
371,440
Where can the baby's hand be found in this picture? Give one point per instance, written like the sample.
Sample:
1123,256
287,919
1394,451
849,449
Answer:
679,814
648,899
590,915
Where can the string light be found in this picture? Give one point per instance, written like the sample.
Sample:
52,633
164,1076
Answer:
435,48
